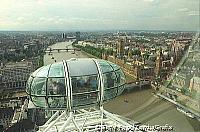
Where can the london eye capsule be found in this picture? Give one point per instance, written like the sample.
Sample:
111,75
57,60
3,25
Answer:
74,84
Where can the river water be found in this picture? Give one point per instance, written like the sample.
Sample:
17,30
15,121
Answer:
142,106
62,55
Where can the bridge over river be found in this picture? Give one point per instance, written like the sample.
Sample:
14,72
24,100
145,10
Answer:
140,105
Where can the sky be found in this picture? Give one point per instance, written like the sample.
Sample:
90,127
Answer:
70,15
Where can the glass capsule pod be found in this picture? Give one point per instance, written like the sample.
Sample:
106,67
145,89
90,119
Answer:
75,84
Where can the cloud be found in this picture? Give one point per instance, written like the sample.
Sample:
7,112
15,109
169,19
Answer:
21,19
189,12
149,0
183,9
98,14
193,13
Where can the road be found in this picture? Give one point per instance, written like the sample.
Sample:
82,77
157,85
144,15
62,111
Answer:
142,105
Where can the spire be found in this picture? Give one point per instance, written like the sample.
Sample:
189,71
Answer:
158,62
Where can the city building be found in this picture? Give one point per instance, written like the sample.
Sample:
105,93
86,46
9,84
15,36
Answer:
195,84
120,48
183,85
158,63
13,76
5,117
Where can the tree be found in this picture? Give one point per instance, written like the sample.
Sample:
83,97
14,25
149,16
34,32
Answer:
41,60
136,52
185,91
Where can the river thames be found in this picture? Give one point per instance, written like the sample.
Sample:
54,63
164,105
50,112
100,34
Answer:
141,105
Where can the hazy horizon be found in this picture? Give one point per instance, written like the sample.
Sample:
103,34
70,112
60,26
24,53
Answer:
110,30
99,15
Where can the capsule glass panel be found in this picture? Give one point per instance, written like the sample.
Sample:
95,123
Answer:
82,67
110,93
85,99
75,84
38,87
56,86
85,90
109,80
57,102
56,70
43,72
39,101
105,66
114,66
84,84
28,85
120,77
